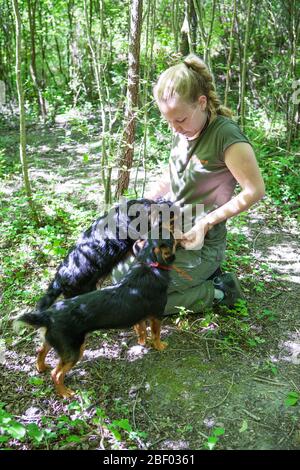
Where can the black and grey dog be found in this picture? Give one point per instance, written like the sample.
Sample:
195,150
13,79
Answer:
141,295
98,251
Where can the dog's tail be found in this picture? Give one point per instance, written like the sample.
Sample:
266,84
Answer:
53,291
37,319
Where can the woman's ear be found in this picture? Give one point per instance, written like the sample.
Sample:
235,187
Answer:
202,100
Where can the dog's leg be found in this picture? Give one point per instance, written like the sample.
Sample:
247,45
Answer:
155,335
42,353
141,331
58,376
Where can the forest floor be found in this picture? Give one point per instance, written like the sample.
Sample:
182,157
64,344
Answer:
226,381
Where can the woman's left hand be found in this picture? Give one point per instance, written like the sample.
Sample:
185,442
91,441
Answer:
194,238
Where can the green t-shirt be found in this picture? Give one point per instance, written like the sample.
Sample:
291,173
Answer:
198,173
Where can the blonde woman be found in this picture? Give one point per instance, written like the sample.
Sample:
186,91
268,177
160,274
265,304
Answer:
209,156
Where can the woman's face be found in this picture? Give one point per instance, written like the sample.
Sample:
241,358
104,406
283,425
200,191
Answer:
185,118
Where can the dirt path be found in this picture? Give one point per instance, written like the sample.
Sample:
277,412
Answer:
204,381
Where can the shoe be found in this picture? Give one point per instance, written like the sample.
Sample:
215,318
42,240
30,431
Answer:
229,284
217,272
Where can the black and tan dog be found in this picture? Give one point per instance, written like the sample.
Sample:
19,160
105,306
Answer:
141,295
97,252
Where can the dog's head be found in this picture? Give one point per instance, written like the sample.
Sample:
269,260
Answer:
161,250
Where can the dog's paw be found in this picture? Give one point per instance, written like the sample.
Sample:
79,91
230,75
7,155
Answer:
65,392
42,367
160,345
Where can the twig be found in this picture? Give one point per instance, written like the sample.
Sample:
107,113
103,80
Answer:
287,436
270,381
135,402
207,350
156,427
209,339
292,382
224,399
253,245
256,418
32,333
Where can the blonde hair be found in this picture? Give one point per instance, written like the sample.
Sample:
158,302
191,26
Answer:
189,80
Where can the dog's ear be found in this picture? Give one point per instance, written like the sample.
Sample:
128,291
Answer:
164,251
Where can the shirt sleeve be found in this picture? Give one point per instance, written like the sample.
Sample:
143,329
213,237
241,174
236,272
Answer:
230,133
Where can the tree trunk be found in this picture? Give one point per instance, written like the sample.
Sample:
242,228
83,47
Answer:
33,69
293,40
244,68
185,33
230,54
126,159
175,23
22,110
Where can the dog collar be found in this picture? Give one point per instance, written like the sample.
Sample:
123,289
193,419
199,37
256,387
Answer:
160,266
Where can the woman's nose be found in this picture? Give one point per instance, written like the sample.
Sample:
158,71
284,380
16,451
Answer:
176,127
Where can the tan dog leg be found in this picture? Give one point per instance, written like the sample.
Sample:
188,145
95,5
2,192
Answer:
141,331
155,335
42,353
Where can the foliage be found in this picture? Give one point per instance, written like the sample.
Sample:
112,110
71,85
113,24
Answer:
70,430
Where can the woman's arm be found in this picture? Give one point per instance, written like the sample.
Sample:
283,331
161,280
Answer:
240,160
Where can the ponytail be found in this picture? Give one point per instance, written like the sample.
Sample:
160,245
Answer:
189,80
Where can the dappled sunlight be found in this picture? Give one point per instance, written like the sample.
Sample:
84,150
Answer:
284,258
136,352
107,351
290,349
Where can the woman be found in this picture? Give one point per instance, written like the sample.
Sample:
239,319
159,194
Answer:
209,156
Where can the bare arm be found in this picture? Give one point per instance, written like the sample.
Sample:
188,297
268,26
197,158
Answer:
240,160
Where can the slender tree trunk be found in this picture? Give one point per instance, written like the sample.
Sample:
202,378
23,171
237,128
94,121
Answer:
22,109
175,23
33,69
293,40
244,68
146,100
185,39
125,163
209,35
204,35
230,55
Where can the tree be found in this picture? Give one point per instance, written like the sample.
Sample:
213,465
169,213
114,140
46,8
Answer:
22,109
125,162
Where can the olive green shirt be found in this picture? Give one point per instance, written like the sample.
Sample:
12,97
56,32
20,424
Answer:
198,173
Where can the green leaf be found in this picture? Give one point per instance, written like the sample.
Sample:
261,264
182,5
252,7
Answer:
123,424
35,432
35,381
292,399
16,430
73,438
211,442
244,426
116,433
218,431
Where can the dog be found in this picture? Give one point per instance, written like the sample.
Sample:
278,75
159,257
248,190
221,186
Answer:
141,295
96,253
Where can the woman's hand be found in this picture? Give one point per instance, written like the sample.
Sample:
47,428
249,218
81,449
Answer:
194,238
